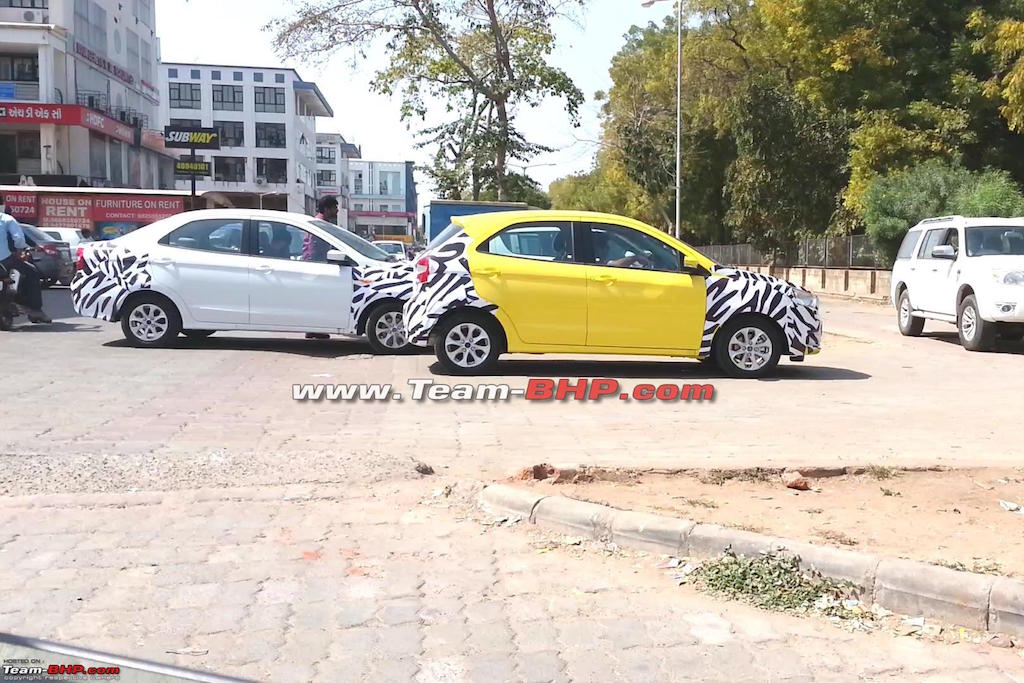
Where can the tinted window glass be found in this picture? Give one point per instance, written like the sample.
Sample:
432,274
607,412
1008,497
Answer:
551,242
620,247
222,235
280,240
353,241
442,236
995,241
908,244
931,240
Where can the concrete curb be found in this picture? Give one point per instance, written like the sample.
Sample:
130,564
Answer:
976,601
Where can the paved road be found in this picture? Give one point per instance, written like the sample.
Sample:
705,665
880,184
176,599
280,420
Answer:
87,412
388,582
180,500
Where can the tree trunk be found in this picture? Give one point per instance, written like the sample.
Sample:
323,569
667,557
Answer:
501,151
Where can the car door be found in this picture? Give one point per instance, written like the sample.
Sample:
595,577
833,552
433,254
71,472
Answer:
928,274
294,288
946,275
204,264
638,296
530,272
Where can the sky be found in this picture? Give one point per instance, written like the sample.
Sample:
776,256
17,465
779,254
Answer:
229,32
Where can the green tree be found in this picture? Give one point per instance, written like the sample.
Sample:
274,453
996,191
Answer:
899,200
452,51
789,167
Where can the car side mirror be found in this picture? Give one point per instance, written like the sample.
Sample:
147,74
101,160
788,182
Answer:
944,251
340,258
695,269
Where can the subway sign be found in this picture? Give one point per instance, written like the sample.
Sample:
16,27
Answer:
182,137
187,167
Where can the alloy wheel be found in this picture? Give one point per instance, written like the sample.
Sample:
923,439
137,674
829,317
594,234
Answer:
750,348
148,322
467,345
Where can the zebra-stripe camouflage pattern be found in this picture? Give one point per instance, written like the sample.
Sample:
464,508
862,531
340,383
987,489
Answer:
731,291
449,285
107,277
377,283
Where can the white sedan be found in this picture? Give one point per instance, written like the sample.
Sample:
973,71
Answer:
233,269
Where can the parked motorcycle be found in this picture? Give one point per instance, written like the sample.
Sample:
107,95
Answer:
8,294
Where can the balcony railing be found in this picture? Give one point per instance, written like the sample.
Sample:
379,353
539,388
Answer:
99,102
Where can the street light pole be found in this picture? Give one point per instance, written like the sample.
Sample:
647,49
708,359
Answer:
679,108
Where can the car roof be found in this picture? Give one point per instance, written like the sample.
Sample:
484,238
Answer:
967,222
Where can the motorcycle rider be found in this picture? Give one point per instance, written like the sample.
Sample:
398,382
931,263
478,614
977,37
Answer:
12,243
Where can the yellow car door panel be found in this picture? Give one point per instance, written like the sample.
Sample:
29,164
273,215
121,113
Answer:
638,296
527,271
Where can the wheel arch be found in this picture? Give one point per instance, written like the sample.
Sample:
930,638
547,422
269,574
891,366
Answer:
471,312
962,293
365,315
773,324
128,300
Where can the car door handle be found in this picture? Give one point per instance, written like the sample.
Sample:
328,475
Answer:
604,279
161,261
489,272
265,269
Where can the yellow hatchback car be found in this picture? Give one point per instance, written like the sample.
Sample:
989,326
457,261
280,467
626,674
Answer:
575,282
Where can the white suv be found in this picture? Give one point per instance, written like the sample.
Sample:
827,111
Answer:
236,269
965,271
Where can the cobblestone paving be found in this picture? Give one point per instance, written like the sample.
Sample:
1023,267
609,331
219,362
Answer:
391,582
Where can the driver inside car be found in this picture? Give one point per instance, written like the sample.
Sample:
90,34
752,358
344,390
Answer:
602,245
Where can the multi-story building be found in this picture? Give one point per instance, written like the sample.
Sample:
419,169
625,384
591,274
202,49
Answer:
382,199
79,100
266,118
332,155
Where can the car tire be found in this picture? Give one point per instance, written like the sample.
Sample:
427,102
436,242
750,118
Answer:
468,343
385,329
908,324
748,347
197,334
975,334
150,320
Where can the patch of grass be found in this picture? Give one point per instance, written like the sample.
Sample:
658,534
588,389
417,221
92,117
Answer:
836,537
979,566
889,492
814,511
881,472
700,503
755,474
772,581
749,527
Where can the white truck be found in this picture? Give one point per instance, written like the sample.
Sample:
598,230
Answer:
964,271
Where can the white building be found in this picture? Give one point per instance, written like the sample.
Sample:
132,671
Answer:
382,199
79,94
267,123
332,156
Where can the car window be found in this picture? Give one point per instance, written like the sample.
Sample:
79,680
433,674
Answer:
908,244
952,238
280,240
353,241
617,246
541,241
931,240
443,236
54,234
995,241
35,235
222,235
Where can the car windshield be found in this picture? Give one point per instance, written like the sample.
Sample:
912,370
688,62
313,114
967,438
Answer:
354,241
996,241
443,236
36,235
390,247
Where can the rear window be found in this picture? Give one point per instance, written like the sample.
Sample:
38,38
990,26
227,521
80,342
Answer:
909,242
443,236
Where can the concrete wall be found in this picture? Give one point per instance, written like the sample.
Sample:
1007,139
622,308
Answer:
851,282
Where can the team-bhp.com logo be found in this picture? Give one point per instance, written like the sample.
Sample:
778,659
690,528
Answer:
35,670
537,389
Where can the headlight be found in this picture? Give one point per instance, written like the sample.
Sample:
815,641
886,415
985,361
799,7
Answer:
804,297
1014,277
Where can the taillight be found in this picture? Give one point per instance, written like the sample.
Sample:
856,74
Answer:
80,259
423,270
49,250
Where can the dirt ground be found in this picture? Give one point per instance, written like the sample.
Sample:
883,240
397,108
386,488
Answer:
953,518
